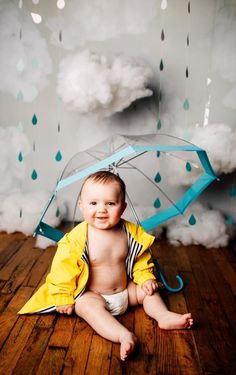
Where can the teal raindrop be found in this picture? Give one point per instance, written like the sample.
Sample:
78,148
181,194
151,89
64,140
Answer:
161,65
157,203
158,154
20,156
57,212
232,191
34,120
192,220
158,178
35,63
230,220
34,175
186,105
58,156
20,96
188,167
159,124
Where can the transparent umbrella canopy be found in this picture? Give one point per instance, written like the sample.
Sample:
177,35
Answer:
147,164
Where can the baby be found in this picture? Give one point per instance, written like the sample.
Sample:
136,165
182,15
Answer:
103,266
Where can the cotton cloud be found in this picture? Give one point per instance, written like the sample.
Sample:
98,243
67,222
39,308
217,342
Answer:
25,62
12,143
210,229
99,20
89,83
219,142
22,211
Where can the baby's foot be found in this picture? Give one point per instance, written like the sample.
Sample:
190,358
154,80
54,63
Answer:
127,345
171,320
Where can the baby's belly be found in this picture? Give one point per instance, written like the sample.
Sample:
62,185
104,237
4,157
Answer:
107,280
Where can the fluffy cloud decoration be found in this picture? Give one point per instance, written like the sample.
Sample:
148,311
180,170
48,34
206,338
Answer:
99,20
210,229
22,211
219,142
12,142
25,62
89,83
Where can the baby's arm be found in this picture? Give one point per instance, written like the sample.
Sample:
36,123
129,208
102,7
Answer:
66,309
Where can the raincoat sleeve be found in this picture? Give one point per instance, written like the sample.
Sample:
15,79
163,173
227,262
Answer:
143,268
65,270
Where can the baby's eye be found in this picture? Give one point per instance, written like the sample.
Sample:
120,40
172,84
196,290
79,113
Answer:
92,203
111,203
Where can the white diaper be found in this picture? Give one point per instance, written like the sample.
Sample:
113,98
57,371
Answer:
117,303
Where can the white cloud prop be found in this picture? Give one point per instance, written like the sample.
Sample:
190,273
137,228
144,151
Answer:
31,205
25,63
89,83
99,20
210,229
12,142
219,140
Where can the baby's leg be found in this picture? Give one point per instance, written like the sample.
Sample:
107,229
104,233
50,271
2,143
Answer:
155,308
92,308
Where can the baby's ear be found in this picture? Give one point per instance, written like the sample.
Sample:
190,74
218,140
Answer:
124,206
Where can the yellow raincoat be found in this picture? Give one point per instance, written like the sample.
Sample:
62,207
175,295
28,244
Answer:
69,273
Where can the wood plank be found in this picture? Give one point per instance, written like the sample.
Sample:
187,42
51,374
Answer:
167,363
99,356
221,331
32,353
14,344
63,331
52,362
9,247
40,268
78,352
225,267
203,335
19,266
9,317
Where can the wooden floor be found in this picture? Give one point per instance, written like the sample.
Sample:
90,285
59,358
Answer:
55,344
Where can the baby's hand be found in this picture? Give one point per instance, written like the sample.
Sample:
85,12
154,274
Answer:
149,287
66,309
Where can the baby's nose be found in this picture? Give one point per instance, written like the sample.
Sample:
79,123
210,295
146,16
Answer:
101,208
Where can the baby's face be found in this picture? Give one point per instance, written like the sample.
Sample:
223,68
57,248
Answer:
102,204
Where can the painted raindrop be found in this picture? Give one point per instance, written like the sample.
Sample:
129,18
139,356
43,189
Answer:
20,156
20,214
162,35
159,124
186,73
34,175
158,154
161,65
158,178
20,66
192,220
186,105
34,120
57,212
230,220
20,96
188,167
58,156
157,203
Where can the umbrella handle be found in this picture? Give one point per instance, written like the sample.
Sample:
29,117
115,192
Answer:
163,279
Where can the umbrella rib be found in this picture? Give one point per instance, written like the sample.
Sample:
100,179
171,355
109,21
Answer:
134,157
149,179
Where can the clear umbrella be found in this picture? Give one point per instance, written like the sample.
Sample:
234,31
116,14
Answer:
148,164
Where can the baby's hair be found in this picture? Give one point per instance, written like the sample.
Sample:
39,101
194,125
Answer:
105,177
